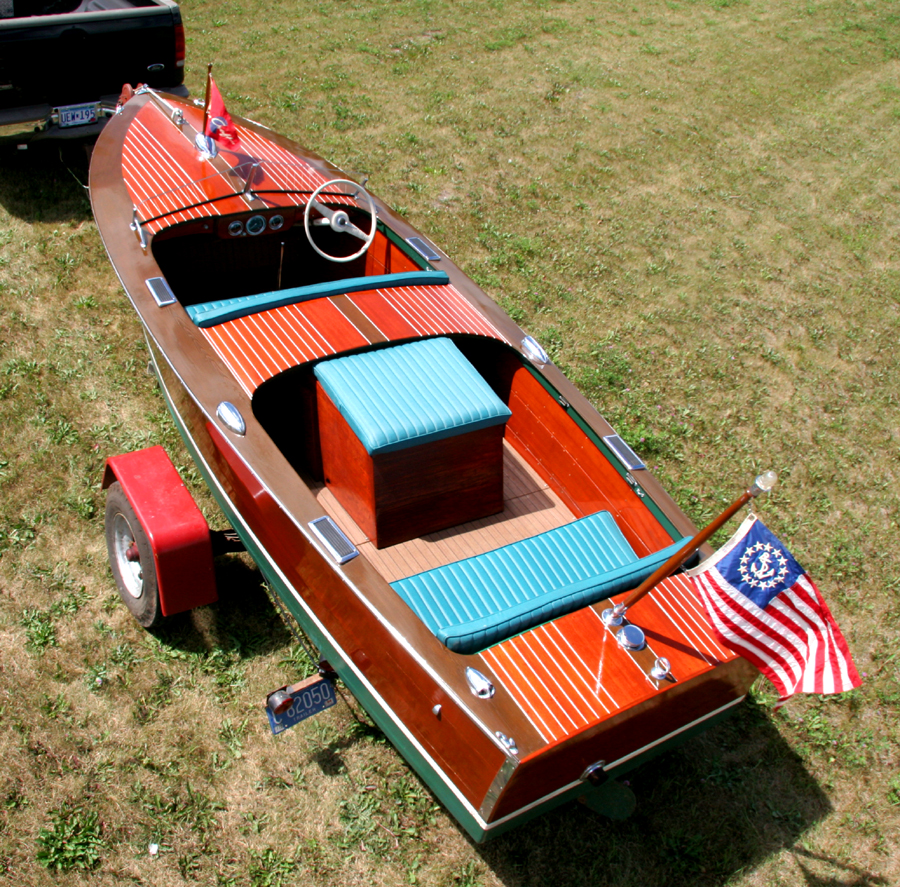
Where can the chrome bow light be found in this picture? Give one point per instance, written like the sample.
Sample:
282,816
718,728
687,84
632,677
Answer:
532,349
479,684
231,417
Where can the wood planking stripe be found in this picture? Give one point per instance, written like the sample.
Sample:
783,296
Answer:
558,654
449,302
423,310
682,593
377,306
154,194
511,678
562,672
635,659
580,640
260,346
366,328
682,634
286,170
672,618
145,150
145,147
295,333
595,686
592,706
557,698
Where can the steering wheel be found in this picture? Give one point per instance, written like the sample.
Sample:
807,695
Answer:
338,220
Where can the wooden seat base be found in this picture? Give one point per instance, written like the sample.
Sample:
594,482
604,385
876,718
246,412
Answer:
399,495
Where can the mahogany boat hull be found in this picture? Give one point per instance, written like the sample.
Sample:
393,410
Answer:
568,701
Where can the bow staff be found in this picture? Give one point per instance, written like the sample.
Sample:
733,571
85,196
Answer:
615,615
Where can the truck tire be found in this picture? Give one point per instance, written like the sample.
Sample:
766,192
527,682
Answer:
131,559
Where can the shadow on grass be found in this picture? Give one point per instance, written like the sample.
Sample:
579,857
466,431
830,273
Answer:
329,758
243,621
47,182
723,803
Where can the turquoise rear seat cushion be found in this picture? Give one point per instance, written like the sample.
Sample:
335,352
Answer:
480,601
210,313
407,395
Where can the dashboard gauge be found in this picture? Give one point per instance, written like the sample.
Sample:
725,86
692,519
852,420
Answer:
236,228
256,225
276,222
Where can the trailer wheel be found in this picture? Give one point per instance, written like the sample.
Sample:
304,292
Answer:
131,559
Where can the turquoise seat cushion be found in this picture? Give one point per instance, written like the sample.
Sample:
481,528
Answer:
407,395
210,313
480,601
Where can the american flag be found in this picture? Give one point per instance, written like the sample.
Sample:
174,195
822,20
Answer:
764,607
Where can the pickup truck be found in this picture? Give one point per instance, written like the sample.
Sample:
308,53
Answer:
63,62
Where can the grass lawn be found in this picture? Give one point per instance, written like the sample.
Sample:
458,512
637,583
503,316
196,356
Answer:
695,207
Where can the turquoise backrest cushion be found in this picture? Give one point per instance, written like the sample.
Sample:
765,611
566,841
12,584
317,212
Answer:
480,601
210,313
407,395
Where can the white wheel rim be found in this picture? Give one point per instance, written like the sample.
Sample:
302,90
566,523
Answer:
130,571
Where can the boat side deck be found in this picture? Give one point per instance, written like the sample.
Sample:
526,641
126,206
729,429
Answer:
530,507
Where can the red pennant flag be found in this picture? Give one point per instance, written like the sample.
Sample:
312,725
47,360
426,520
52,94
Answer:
218,120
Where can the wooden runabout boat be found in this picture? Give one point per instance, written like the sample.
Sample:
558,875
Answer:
438,507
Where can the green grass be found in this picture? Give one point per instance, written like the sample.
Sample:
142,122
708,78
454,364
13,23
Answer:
694,206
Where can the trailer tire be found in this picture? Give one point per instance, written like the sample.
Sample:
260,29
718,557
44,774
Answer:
131,559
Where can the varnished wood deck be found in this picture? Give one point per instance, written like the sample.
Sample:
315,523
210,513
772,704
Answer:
571,672
529,508
261,345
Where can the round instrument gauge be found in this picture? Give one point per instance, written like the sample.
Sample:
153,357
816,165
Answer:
256,225
276,222
236,228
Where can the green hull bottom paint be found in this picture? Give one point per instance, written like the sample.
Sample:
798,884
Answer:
611,799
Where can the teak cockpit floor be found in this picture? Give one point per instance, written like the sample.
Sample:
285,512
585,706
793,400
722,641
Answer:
529,508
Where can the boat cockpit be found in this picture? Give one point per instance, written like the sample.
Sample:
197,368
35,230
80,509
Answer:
412,429
264,251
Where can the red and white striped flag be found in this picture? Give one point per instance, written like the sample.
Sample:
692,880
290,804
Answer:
764,607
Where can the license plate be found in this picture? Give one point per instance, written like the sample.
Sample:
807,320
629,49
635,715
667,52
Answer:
77,115
311,696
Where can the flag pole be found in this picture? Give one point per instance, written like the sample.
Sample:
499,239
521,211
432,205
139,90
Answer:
204,143
762,484
206,101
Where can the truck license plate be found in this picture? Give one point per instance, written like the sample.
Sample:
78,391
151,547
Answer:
77,115
311,696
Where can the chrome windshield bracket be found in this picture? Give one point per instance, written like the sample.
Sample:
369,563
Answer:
136,227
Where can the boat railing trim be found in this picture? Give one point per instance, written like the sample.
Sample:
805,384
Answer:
207,314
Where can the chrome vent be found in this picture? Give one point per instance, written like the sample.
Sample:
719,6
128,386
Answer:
424,249
627,456
160,290
334,540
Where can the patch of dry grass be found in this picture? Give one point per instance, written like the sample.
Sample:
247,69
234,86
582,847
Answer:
694,205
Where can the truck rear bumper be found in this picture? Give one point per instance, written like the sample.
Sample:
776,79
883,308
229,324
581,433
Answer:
38,122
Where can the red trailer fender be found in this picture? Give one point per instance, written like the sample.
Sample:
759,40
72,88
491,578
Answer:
178,532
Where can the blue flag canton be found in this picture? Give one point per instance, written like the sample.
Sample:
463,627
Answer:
760,566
